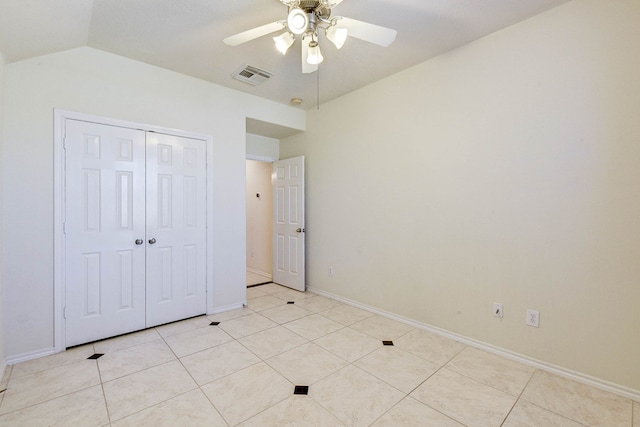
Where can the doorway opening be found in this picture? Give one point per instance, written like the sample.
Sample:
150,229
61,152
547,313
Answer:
259,223
275,243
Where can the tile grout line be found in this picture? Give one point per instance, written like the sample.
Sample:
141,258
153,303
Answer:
142,370
427,379
4,384
198,387
261,360
518,398
352,364
348,363
104,395
482,383
48,399
547,409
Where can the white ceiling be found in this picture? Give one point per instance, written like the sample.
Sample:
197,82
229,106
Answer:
186,36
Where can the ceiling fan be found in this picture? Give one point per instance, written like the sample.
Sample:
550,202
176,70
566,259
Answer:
304,19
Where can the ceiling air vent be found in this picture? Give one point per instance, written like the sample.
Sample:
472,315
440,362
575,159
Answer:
252,75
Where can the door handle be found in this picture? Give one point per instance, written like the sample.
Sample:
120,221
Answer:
152,241
299,230
139,241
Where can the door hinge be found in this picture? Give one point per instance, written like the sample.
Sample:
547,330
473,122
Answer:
64,228
64,312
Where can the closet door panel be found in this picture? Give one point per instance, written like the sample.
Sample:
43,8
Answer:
104,216
176,228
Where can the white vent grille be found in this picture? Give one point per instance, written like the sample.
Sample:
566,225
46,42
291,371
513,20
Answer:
252,75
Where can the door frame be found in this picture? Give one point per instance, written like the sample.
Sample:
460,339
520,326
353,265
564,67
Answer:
59,177
272,161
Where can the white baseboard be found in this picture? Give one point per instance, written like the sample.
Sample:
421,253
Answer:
229,307
264,274
12,360
4,374
538,364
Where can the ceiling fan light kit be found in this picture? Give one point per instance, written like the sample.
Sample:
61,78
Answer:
284,42
314,55
306,67
303,19
337,35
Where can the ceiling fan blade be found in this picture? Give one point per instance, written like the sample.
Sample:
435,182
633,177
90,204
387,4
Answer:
368,32
306,67
254,33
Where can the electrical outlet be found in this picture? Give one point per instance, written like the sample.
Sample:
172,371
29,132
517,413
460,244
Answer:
533,318
497,310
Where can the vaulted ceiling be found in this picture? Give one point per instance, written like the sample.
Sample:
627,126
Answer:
186,36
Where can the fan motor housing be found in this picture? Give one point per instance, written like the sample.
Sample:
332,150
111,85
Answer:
315,6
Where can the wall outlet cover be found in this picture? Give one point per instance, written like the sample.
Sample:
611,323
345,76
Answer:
533,318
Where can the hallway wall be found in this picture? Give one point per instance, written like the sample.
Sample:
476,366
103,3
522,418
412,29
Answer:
259,219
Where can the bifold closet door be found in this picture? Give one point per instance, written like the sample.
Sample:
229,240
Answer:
176,228
104,231
135,230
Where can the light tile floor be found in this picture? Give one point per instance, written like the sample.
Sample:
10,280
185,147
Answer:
244,370
255,279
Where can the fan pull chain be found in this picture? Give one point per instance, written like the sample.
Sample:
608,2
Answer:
318,88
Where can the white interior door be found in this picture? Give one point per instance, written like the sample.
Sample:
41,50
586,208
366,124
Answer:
288,242
105,217
135,230
176,228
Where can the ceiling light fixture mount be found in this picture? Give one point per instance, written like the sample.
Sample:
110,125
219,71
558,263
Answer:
304,19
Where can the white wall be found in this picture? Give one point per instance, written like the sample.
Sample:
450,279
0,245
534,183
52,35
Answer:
262,148
259,218
505,171
98,83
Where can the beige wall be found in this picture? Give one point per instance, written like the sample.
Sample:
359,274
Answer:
505,171
259,218
98,83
